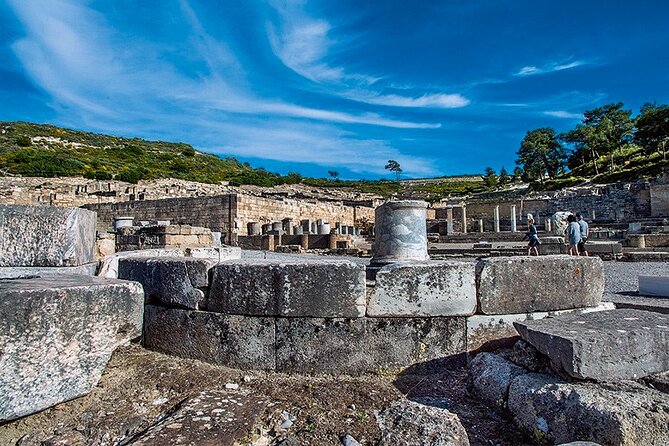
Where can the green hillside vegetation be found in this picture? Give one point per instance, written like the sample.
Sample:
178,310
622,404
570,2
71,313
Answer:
48,151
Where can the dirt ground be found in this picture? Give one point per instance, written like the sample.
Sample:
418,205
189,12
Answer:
140,388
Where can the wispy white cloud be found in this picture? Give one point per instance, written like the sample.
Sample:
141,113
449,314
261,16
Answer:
70,52
439,100
564,114
530,70
303,43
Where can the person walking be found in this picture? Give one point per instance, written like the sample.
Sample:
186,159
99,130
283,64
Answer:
573,234
585,233
532,236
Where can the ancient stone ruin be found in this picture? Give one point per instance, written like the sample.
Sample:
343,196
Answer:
540,346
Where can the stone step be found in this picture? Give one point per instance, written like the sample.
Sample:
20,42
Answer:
603,346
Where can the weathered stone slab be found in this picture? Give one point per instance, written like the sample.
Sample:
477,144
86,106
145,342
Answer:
656,304
654,286
210,418
524,284
605,345
57,334
234,341
9,272
490,376
408,423
170,281
434,288
296,288
489,332
623,413
367,345
46,236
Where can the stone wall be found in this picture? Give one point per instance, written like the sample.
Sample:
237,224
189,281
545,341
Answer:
215,213
265,210
607,203
659,196
230,212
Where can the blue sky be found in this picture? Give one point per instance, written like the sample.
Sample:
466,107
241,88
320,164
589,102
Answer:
443,87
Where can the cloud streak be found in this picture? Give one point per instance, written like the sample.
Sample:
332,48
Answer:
531,70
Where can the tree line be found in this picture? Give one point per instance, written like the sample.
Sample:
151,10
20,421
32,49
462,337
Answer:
603,141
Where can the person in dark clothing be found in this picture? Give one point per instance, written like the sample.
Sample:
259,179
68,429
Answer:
532,236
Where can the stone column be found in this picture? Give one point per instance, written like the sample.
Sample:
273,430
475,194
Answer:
496,218
297,230
547,225
464,219
305,241
324,228
449,221
481,225
288,225
513,218
314,228
401,232
253,228
277,226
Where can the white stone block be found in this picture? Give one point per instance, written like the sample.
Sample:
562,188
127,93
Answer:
433,288
654,286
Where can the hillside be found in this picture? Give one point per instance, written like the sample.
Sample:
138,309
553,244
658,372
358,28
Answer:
48,151
39,150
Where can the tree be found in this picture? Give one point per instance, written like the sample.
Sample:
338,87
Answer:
490,178
604,131
394,166
503,176
652,126
541,154
334,174
517,174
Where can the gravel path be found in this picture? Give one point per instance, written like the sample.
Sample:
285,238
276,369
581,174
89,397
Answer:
622,277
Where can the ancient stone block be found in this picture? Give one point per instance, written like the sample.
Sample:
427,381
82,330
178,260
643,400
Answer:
408,423
210,418
46,236
424,289
9,272
367,345
490,376
605,345
57,334
234,341
488,332
546,283
298,288
170,281
654,286
624,413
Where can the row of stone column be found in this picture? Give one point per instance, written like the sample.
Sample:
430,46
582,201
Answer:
286,226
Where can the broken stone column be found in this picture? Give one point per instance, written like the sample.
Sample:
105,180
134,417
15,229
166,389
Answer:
305,241
480,225
496,218
277,226
253,228
297,230
266,228
401,232
449,221
314,228
464,219
324,229
288,225
513,218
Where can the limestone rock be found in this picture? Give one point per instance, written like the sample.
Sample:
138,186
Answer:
367,345
623,414
424,289
210,418
296,288
234,341
46,236
526,284
604,345
412,424
57,334
490,376
11,272
170,281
